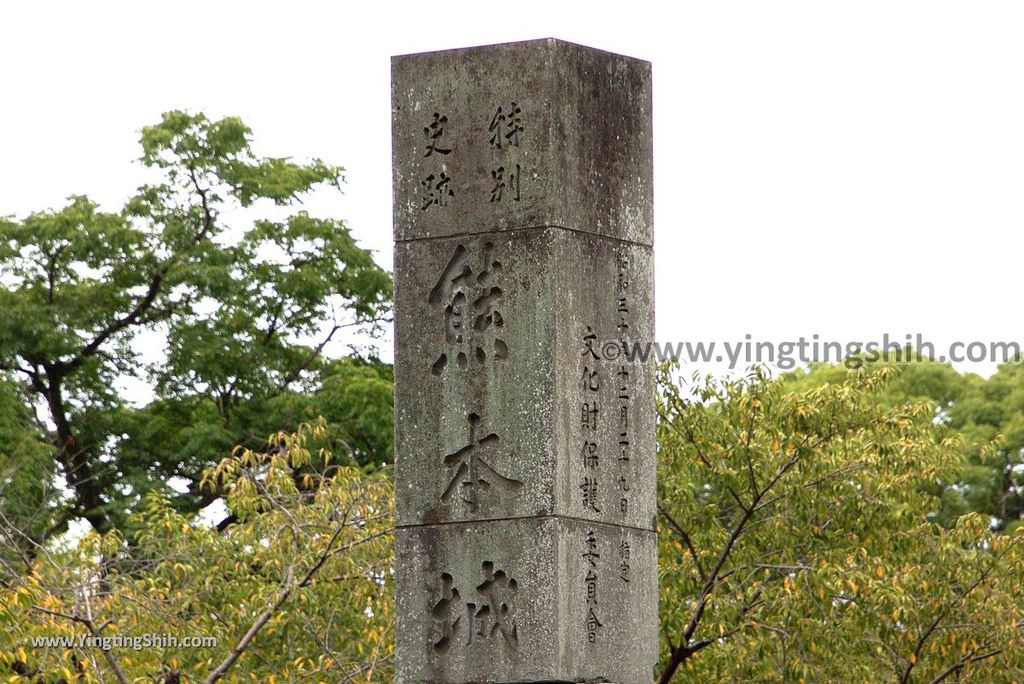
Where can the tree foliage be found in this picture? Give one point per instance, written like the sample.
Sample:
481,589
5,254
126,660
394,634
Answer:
796,543
831,526
242,305
27,470
299,589
986,413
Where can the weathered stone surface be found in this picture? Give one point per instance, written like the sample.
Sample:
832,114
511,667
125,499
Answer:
567,602
556,285
525,454
582,144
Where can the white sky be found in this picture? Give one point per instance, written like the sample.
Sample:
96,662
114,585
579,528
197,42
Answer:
841,169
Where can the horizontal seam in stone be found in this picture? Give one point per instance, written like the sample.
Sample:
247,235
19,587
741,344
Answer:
499,231
526,517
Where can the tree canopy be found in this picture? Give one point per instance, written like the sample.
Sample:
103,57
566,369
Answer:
797,545
299,589
211,266
832,525
987,414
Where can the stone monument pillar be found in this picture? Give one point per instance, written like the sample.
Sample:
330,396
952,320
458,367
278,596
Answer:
525,453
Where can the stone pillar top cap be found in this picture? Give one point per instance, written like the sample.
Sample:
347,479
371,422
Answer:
550,42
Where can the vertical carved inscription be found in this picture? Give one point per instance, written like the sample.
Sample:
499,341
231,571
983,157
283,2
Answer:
624,550
504,130
592,624
436,188
590,386
623,384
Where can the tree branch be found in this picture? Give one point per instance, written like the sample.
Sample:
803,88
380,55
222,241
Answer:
289,586
686,539
971,657
107,653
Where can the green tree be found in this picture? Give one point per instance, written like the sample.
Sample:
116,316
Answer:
986,413
242,306
299,589
27,474
796,543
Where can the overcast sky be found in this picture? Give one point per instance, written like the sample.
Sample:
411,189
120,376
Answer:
840,169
